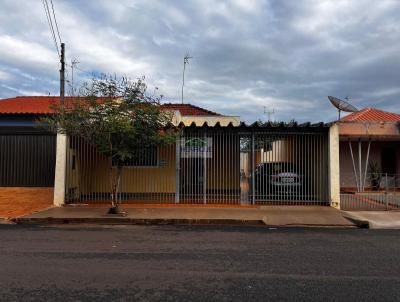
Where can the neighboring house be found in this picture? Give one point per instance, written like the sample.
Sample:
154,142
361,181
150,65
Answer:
369,136
369,156
217,159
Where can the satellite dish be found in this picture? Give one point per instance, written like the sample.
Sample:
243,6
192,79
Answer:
342,105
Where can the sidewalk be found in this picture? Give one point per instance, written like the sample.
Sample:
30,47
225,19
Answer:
279,216
375,219
17,202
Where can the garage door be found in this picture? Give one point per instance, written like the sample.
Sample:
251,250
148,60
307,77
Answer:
27,160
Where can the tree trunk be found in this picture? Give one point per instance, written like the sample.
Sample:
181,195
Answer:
114,190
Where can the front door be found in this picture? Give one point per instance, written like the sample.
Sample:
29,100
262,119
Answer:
388,160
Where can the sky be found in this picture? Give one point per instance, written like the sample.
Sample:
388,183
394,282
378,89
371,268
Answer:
249,56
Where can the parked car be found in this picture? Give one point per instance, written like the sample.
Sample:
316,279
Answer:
275,178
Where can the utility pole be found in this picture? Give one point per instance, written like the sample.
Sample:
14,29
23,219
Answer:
62,78
185,61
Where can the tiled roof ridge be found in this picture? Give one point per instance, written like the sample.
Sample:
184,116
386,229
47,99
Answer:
371,114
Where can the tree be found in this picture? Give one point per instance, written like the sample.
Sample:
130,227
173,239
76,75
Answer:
119,119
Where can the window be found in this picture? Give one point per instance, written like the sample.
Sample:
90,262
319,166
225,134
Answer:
260,143
146,157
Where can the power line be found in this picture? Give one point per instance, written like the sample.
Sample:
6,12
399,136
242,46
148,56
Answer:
50,23
55,21
80,69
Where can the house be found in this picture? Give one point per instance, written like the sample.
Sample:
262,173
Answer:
216,160
28,152
369,155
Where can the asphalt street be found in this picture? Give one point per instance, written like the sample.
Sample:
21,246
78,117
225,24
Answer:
197,263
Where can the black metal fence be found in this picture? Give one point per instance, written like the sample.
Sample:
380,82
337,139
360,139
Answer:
27,160
148,179
221,165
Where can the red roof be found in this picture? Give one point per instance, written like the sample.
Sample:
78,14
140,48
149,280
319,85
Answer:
371,115
41,105
28,104
188,109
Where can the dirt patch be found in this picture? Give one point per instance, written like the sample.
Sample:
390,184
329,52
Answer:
16,202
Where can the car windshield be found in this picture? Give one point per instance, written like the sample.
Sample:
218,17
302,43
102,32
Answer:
275,168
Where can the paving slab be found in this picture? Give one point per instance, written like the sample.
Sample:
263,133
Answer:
375,219
263,215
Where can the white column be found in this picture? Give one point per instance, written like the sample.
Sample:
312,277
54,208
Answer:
334,166
61,163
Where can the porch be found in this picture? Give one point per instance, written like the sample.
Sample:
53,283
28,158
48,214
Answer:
369,166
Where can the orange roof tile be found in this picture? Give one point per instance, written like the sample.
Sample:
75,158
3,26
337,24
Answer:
28,105
188,109
41,105
371,115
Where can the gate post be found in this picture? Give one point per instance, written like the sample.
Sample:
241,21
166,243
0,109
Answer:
205,168
61,165
253,163
334,166
177,168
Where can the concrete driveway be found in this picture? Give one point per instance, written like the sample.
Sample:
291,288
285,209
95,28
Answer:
375,219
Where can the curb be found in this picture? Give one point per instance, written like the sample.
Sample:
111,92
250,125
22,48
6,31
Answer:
167,221
363,224
137,221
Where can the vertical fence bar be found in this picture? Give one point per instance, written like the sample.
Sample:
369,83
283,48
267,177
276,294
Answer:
386,192
177,169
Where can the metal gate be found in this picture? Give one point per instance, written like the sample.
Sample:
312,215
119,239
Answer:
212,165
27,160
235,166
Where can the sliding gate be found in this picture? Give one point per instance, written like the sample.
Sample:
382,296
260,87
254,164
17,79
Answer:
261,166
243,165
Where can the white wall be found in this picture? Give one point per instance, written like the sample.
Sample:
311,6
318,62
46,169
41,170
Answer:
59,179
334,166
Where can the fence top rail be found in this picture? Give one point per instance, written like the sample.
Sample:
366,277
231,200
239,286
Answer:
256,130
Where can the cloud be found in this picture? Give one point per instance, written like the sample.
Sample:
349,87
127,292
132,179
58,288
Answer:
25,54
4,76
247,55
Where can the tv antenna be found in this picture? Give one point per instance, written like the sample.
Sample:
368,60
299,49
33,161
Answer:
73,63
185,61
269,113
342,105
